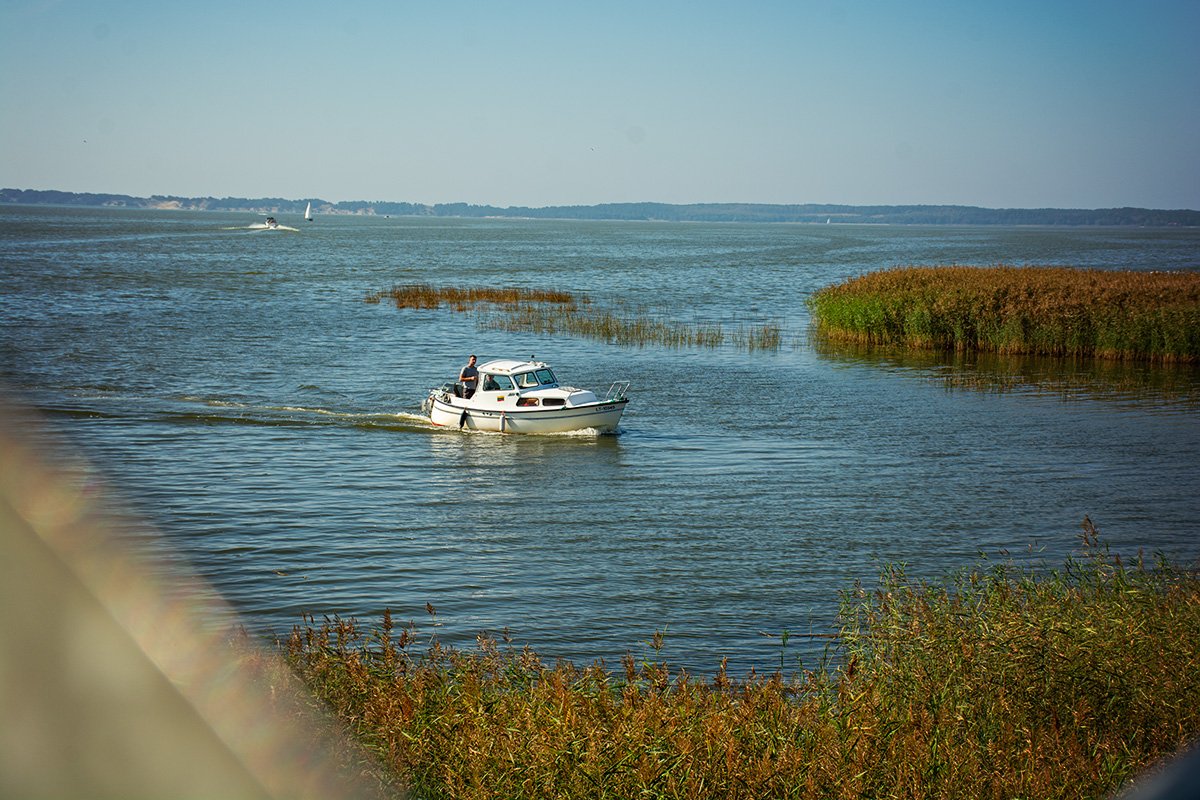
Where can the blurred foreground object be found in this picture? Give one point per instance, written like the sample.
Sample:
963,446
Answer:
117,676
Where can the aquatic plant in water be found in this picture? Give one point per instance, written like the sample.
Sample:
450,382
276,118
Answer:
1039,310
553,311
422,295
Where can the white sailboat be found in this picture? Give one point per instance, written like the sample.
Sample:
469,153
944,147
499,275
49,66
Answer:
308,212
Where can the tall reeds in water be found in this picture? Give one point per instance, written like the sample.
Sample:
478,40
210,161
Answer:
1001,682
552,311
422,295
604,325
1040,310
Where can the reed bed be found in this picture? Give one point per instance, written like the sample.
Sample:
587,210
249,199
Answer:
1055,311
768,336
423,295
1000,682
553,312
605,325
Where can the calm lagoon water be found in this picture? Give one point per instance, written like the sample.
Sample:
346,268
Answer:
246,400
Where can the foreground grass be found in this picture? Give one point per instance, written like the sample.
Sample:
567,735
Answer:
553,311
999,683
1040,310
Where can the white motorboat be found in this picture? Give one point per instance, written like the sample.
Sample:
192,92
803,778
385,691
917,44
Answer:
525,397
270,224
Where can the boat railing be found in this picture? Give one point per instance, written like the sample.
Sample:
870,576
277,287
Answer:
617,391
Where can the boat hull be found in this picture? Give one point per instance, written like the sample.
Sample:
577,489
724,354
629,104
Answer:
602,416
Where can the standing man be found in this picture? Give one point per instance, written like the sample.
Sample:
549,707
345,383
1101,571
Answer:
469,377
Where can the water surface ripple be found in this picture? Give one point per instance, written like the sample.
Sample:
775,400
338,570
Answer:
246,400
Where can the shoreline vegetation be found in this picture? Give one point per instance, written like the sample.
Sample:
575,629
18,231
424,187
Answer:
1054,311
553,311
1000,681
813,213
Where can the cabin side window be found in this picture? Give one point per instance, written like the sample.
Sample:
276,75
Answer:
527,380
546,377
497,383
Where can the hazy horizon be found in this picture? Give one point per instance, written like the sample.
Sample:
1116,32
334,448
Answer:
390,201
1070,105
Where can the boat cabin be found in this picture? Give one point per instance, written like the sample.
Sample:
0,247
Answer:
527,380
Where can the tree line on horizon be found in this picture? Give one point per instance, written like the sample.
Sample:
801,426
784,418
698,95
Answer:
666,212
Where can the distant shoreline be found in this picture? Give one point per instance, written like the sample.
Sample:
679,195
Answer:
664,212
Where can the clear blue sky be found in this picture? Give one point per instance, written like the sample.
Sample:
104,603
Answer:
1017,103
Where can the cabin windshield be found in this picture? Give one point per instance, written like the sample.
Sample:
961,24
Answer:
532,380
496,383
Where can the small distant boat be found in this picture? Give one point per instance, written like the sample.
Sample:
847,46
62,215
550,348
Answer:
308,212
525,397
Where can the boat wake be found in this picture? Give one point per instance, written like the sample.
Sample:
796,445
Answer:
107,402
192,410
220,412
233,413
256,227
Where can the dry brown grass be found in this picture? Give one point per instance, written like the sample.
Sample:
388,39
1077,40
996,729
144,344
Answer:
1001,683
422,295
